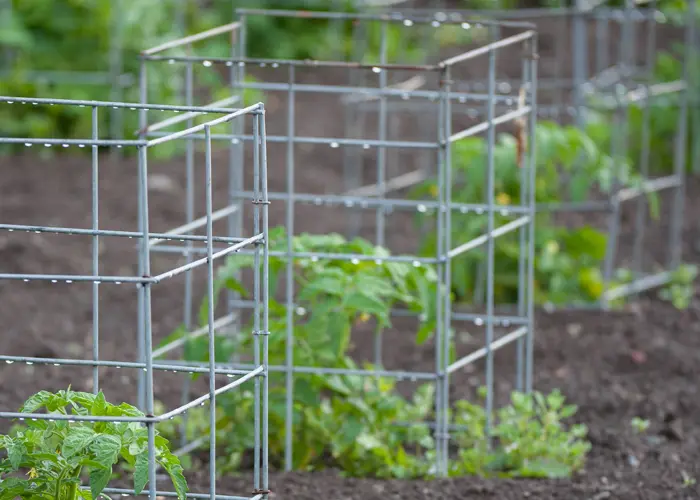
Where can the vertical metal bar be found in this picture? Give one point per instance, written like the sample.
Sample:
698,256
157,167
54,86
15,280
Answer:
641,202
210,317
447,311
146,306
522,234
256,299
289,292
189,245
602,43
490,202
559,72
95,253
532,166
265,298
580,57
381,150
381,171
619,148
140,332
116,68
439,320
236,164
677,209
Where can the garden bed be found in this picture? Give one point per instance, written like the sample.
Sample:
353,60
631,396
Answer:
643,362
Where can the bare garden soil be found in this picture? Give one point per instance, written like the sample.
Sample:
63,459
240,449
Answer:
643,361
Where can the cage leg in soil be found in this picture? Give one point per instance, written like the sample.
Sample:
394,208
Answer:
311,220
602,74
146,281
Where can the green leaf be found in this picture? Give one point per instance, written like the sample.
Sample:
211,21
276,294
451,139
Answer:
99,478
172,466
106,449
544,469
99,406
76,441
15,452
37,401
425,332
350,429
141,473
362,302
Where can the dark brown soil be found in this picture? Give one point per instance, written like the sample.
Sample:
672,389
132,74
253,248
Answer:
644,361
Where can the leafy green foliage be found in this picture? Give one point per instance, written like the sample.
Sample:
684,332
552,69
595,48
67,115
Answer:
343,421
532,440
567,261
640,425
339,419
56,453
681,289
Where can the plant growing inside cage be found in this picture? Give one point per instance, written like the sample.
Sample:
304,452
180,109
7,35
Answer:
48,458
567,261
340,419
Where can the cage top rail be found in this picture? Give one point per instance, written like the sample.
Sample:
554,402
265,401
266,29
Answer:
640,12
290,62
109,104
197,37
399,17
255,109
470,54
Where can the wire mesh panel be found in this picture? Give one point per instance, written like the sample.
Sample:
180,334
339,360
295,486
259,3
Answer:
84,418
623,77
310,254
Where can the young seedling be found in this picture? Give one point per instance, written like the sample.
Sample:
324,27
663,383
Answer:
54,455
640,425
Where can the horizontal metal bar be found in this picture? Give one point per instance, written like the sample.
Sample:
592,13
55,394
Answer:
477,319
109,104
221,253
145,419
73,418
649,186
480,240
505,42
643,93
484,126
495,345
71,278
397,203
242,61
177,233
315,255
389,17
371,91
197,402
255,108
574,206
70,142
181,118
199,332
394,184
226,28
638,285
410,85
117,364
120,234
332,142
170,494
